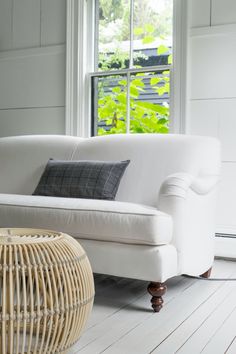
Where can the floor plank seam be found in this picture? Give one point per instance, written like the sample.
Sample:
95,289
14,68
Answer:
224,321
152,314
202,321
125,307
127,327
212,294
180,280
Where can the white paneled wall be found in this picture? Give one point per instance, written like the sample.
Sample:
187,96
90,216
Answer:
223,12
5,24
211,53
53,10
25,23
32,121
200,12
212,96
32,66
38,72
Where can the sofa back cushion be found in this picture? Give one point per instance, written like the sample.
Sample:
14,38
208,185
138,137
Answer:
152,158
23,159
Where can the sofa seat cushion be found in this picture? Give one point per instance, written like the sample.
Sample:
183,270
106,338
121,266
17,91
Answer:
88,219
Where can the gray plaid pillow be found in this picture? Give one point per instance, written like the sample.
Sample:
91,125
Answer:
81,179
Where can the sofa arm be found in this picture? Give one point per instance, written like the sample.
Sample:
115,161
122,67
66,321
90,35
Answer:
191,202
179,184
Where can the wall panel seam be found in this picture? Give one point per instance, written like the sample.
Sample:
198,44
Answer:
45,50
30,107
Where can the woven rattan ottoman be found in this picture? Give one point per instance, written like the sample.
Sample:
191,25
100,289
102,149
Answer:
46,291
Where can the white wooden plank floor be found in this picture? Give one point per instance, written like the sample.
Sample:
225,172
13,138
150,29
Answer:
198,317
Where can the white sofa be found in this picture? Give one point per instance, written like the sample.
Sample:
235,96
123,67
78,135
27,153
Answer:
162,222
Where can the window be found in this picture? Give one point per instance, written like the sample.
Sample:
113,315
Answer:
82,76
133,63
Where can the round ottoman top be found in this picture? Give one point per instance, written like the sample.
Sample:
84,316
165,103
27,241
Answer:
19,236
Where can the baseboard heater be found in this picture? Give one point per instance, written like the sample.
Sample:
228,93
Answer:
225,235
225,245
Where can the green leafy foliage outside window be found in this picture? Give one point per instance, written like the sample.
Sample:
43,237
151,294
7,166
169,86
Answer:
145,116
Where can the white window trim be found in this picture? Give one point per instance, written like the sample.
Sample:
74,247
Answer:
80,61
178,93
79,41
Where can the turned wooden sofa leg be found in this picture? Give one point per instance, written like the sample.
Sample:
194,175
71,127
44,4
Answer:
157,290
207,273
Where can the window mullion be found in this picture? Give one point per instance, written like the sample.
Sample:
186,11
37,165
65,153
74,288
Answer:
133,70
128,104
131,64
131,34
96,35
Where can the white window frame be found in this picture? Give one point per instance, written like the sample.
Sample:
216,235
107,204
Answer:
80,62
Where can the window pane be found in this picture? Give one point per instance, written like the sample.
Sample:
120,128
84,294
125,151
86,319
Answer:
152,27
145,94
113,41
149,102
109,105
